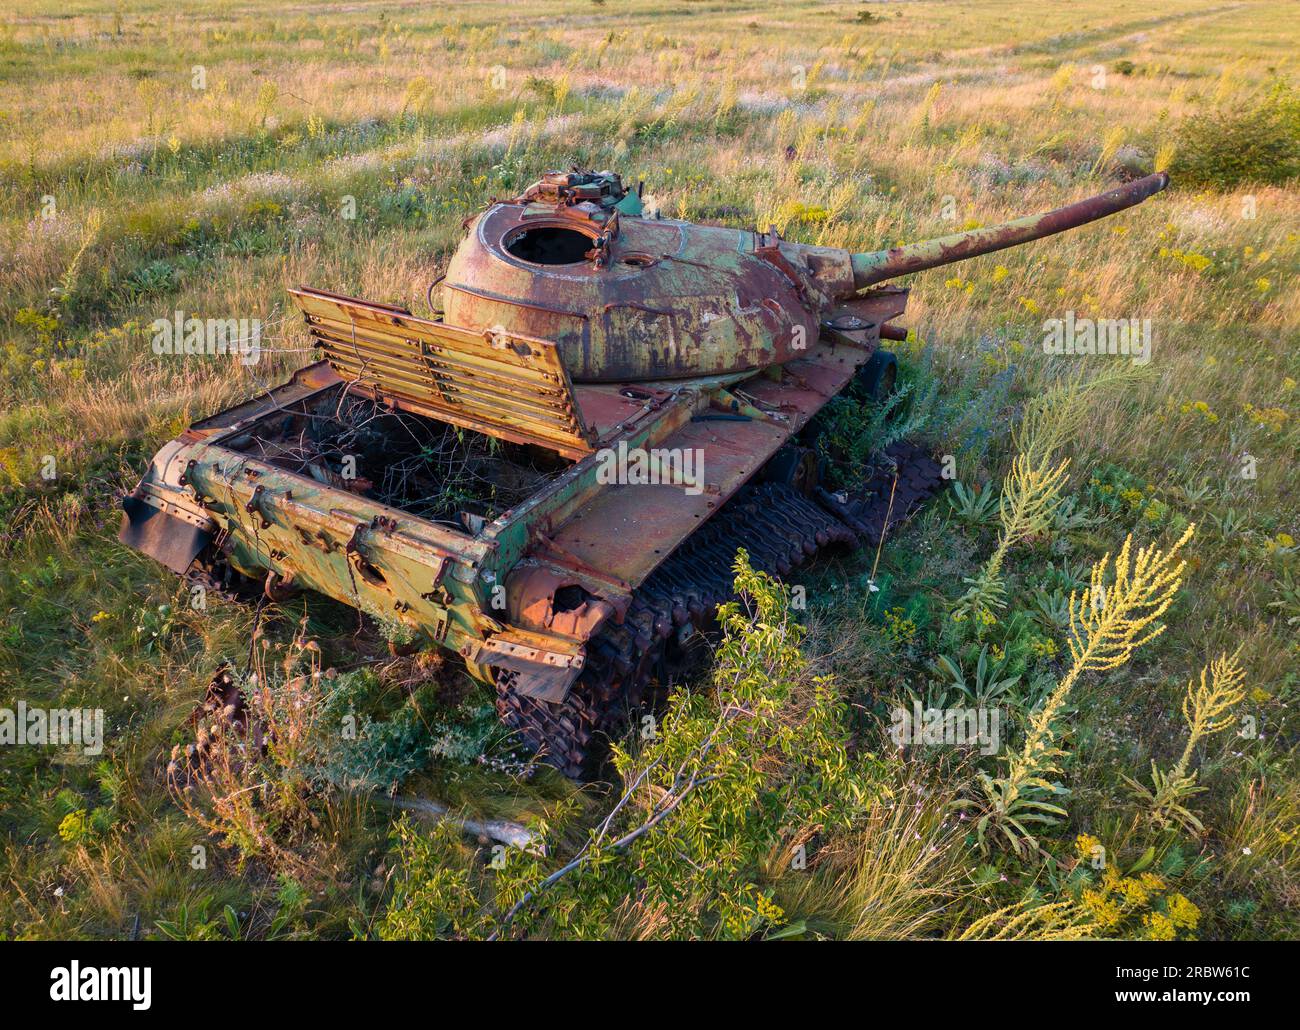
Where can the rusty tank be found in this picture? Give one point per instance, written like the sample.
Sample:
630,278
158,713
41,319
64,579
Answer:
551,473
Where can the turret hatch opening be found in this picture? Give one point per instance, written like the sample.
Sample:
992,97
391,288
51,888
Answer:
549,245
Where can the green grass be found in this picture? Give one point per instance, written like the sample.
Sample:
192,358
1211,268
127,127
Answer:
215,200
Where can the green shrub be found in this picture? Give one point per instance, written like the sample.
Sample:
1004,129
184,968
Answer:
157,277
1256,141
735,786
384,743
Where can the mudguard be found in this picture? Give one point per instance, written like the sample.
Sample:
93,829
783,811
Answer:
163,537
159,517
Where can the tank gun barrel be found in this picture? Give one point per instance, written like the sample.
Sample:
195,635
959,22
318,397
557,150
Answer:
877,266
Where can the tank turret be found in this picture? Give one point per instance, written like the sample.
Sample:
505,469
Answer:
633,298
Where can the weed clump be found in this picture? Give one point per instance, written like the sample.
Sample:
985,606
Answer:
1255,141
738,783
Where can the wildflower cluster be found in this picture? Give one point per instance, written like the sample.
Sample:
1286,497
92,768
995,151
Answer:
1188,259
1272,419
1200,409
1138,905
901,628
1115,491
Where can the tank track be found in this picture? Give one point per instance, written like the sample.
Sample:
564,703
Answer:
630,667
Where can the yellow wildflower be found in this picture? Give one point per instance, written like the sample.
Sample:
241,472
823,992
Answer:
1086,845
1133,892
1103,909
769,910
1182,913
1273,418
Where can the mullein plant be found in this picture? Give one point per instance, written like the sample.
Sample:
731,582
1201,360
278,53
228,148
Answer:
68,281
1033,490
1207,707
1030,494
1118,613
1027,920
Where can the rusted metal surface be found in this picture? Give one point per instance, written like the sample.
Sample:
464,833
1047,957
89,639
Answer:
880,265
660,517
543,666
644,299
673,301
609,411
497,382
575,325
304,383
395,567
545,599
263,519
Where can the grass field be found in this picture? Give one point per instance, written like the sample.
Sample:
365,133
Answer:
157,157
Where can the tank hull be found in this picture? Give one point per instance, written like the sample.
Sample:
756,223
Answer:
568,602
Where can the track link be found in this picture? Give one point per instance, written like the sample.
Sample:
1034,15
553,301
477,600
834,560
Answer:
630,667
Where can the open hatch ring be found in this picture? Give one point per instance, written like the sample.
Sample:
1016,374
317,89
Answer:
548,244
